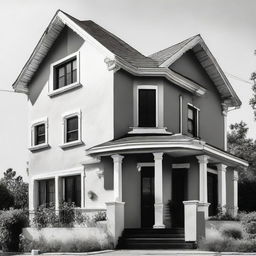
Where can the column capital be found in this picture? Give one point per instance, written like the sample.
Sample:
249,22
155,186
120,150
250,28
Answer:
224,107
117,158
221,167
158,156
203,159
235,177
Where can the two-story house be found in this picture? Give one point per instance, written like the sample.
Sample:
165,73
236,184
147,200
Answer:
141,137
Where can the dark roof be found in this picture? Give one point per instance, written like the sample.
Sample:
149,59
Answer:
115,44
165,54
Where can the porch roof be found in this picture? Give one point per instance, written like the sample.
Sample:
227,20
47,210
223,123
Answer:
175,145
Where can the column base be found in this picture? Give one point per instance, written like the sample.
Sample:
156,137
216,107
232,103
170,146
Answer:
159,216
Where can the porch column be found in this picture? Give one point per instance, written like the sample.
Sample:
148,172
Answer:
224,113
159,207
82,189
203,192
117,177
235,180
57,206
222,186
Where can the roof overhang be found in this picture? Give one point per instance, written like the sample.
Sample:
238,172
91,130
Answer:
211,66
174,147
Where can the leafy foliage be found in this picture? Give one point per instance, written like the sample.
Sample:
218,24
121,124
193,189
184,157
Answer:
6,198
231,231
252,101
11,224
249,223
17,188
100,216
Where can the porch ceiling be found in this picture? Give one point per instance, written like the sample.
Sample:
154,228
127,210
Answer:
173,145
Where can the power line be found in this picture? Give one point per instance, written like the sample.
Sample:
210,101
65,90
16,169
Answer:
239,78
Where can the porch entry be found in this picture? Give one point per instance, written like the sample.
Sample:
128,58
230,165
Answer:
179,194
147,197
212,184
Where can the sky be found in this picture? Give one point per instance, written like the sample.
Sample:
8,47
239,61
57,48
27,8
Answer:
228,28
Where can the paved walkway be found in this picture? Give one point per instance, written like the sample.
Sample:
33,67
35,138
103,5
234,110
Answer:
142,253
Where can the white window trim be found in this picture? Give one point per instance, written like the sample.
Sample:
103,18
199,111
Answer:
146,87
35,123
69,87
197,117
65,116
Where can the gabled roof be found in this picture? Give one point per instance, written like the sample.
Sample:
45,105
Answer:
121,55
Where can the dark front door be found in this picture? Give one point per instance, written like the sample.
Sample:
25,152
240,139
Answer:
212,184
179,194
147,197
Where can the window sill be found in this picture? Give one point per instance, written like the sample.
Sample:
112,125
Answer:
149,130
39,147
71,144
64,89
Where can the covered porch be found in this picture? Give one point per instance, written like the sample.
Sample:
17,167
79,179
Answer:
154,176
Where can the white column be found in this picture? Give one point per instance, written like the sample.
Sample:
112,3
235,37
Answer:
117,177
57,194
83,189
222,186
159,207
224,112
235,180
203,193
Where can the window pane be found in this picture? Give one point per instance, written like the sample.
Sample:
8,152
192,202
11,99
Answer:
74,74
69,80
147,108
78,191
42,192
72,123
68,67
51,191
74,64
72,136
69,189
61,82
73,189
190,113
190,127
40,134
61,71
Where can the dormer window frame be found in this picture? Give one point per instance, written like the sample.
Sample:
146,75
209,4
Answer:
53,75
147,87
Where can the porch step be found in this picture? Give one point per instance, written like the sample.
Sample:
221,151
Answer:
154,239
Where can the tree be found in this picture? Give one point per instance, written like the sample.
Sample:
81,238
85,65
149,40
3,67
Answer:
6,199
243,147
17,188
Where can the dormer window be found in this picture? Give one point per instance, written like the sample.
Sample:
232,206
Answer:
192,122
64,75
147,106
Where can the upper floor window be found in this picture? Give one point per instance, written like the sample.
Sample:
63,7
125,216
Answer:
39,134
64,75
147,106
193,121
71,129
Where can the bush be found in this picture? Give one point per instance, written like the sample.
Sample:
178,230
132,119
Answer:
11,224
76,245
231,231
100,216
224,215
249,224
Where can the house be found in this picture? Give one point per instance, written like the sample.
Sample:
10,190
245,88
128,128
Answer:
143,138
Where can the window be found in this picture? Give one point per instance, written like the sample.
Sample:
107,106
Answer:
71,129
65,74
46,192
72,189
39,134
193,121
147,107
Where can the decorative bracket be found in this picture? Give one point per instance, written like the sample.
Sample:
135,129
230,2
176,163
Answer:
111,64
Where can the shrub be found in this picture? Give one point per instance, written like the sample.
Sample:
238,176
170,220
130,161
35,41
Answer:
221,215
100,216
67,213
45,217
6,198
231,231
81,218
249,224
75,245
11,224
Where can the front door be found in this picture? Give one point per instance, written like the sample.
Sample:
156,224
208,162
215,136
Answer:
147,197
179,194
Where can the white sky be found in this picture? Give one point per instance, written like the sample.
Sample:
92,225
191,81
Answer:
228,28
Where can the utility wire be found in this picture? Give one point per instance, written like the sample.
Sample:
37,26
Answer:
239,78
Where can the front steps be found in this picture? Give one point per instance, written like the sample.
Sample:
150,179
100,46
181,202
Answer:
154,239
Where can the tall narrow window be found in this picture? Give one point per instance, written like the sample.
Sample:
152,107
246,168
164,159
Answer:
66,73
39,134
147,108
72,129
73,190
192,121
46,192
